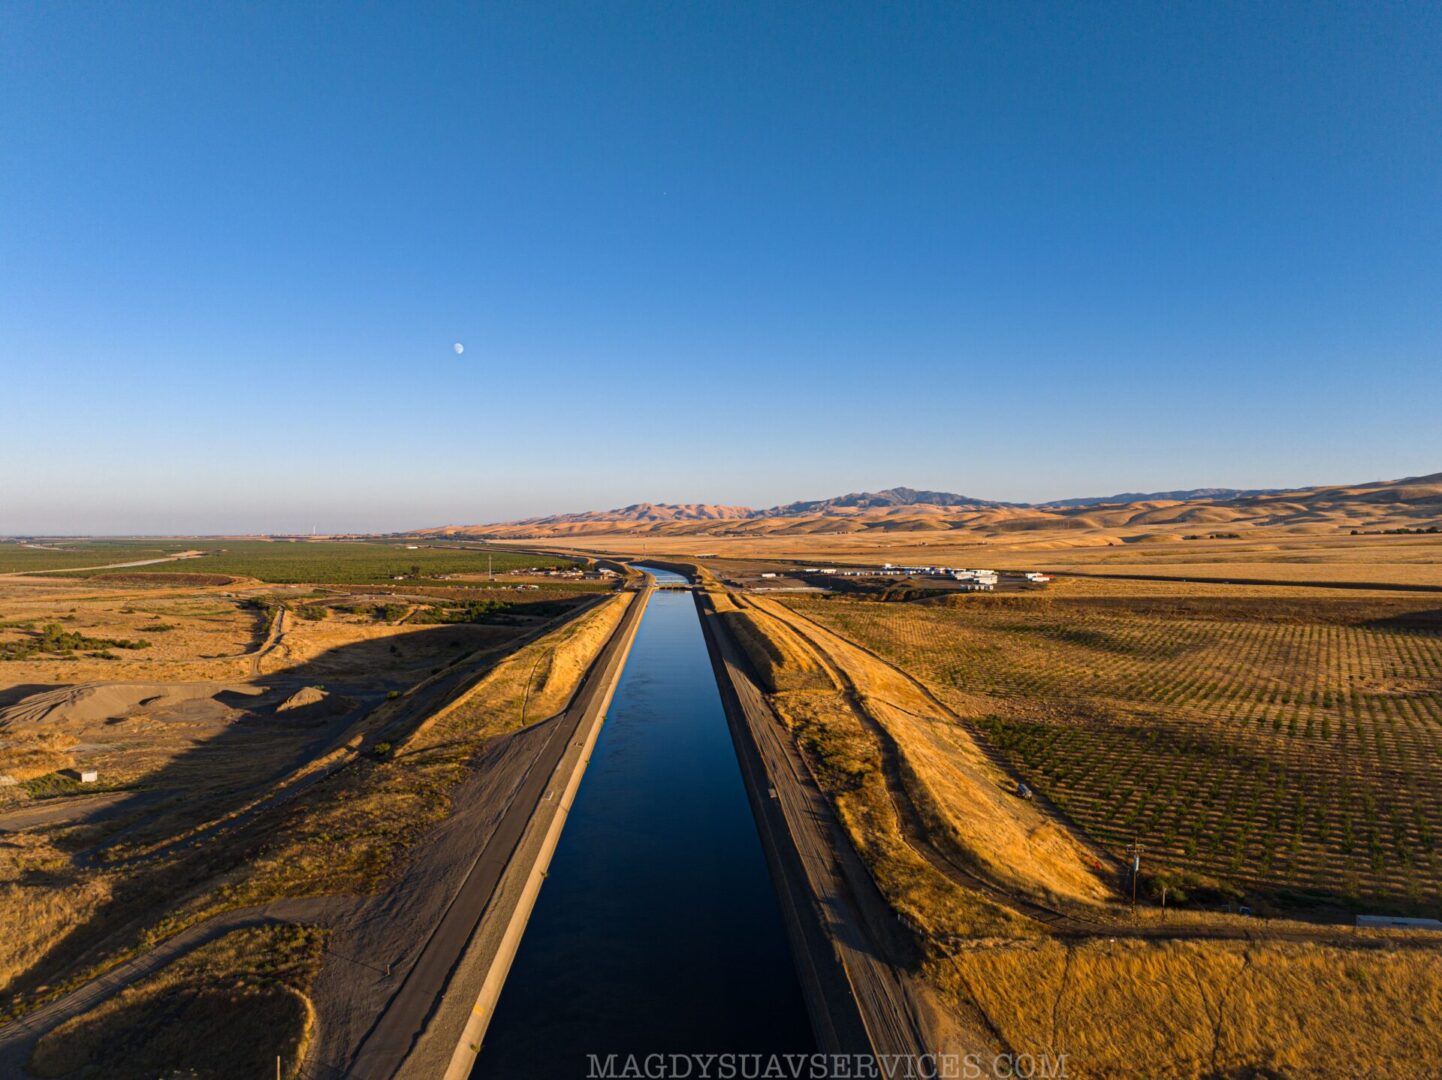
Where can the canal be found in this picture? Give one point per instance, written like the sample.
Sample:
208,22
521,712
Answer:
657,930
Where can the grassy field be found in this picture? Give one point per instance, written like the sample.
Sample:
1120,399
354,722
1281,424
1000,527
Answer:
224,1011
1281,740
338,562
347,837
279,561
63,555
1266,554
1208,1009
200,727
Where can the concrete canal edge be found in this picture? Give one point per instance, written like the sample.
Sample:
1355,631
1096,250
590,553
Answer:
836,1019
475,987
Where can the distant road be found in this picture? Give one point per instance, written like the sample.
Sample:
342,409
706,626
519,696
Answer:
107,566
272,639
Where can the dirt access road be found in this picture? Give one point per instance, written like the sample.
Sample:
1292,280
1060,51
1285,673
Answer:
107,566
858,994
18,1037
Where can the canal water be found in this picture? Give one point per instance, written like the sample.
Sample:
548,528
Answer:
657,929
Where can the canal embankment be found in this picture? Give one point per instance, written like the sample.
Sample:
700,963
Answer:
455,1026
852,955
658,930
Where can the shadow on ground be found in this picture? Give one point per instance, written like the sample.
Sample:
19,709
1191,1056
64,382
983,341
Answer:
223,774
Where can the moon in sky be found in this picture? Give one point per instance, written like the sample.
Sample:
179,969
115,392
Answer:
459,348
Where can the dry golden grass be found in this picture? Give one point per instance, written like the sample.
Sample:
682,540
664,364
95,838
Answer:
349,646
830,726
782,661
348,837
25,756
225,1010
1279,738
539,678
847,765
193,633
967,802
1207,1009
37,917
344,835
213,634
1268,553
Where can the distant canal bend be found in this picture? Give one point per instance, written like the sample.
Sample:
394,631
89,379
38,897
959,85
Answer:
657,930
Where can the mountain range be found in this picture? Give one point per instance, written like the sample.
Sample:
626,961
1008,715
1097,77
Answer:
1414,502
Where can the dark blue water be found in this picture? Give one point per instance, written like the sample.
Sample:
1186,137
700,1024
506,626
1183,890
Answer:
657,929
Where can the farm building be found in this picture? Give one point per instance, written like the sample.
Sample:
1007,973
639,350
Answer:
983,577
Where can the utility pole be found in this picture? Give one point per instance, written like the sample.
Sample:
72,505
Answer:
1135,850
489,575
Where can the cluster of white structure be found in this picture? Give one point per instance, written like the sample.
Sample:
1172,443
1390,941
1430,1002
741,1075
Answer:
975,580
971,580
967,580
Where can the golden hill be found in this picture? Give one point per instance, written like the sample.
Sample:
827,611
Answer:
1415,502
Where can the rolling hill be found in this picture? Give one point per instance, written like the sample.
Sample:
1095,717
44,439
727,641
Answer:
1414,502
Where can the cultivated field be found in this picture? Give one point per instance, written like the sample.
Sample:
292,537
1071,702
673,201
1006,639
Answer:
1282,741
1207,1009
277,561
18,558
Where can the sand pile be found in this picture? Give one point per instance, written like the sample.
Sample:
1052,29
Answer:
92,703
315,703
311,695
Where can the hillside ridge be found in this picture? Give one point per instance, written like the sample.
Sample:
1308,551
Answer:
1411,502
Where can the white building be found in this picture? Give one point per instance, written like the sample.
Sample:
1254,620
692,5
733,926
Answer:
988,576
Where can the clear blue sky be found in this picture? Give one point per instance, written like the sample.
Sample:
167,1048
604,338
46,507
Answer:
706,252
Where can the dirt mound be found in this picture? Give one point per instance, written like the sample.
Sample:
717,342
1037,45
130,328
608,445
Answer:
313,704
310,695
92,703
